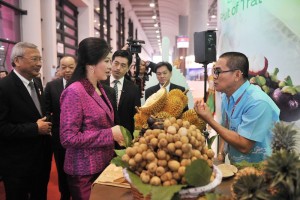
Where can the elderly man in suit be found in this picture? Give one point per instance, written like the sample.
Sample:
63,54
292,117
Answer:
25,152
127,93
53,91
163,72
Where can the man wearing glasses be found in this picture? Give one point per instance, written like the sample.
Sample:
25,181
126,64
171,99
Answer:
25,154
248,114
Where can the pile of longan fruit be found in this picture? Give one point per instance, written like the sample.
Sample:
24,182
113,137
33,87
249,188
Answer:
160,157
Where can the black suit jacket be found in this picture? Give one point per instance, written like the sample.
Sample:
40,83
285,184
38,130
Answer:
53,91
129,99
155,88
23,152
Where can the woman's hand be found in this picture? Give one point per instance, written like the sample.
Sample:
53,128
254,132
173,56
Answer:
117,134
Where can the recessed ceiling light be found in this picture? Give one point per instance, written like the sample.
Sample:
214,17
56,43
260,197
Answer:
158,36
155,25
97,8
207,24
154,17
157,31
213,16
152,5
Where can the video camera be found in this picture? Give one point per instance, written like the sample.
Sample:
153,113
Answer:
135,45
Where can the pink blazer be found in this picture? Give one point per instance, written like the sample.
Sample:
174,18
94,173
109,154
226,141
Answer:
85,129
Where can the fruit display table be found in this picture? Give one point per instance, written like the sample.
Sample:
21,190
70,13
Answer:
100,191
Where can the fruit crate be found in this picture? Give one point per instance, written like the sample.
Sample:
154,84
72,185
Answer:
185,194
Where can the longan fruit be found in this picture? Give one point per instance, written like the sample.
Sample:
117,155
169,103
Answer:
172,130
138,157
186,124
161,154
194,158
162,143
162,163
186,148
171,147
150,156
176,127
173,165
167,123
210,153
155,181
152,167
173,182
192,127
160,171
179,122
176,137
182,131
209,162
142,140
176,176
166,183
185,162
186,155
132,162
154,142
178,152
184,139
144,147
181,170
172,120
145,178
130,151
169,138
125,158
161,135
166,176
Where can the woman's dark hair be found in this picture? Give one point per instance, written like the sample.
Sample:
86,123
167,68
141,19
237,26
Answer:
160,64
237,60
90,51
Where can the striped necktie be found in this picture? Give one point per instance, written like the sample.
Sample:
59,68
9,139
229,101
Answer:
116,90
35,97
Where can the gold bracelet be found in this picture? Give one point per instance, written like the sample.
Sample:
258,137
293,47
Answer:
220,153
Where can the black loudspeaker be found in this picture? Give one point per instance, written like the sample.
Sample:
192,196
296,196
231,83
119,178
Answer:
205,46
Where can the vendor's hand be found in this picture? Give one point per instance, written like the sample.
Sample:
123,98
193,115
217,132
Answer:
117,135
44,127
202,110
221,157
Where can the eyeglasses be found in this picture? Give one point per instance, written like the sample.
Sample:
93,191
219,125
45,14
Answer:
33,59
218,71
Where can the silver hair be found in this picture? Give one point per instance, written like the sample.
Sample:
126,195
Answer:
19,49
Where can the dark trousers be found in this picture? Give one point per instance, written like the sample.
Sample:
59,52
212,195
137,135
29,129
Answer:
59,156
80,186
25,188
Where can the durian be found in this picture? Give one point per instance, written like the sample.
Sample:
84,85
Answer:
174,106
163,115
140,119
155,102
192,117
180,94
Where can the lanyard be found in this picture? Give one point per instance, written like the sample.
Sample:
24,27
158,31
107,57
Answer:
235,104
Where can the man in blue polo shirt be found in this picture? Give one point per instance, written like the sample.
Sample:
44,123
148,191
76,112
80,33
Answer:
248,114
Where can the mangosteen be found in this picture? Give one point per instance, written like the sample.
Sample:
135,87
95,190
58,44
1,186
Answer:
151,120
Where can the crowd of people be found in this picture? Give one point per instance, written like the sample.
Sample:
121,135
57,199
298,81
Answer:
77,117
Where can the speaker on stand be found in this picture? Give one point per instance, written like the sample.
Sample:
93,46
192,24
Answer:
205,51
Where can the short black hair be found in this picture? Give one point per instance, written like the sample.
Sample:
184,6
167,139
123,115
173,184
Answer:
161,64
237,60
124,54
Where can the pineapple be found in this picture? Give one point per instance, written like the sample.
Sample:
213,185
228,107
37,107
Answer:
282,171
284,137
250,184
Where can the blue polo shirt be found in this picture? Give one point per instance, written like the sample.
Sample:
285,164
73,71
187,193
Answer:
252,114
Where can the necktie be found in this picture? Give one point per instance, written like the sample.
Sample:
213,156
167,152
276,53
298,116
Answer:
35,97
116,89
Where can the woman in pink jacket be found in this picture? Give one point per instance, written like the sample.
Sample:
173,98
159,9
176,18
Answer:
87,129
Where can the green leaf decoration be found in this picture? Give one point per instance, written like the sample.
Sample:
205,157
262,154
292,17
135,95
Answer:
164,192
143,188
211,140
119,162
120,152
127,136
136,134
198,173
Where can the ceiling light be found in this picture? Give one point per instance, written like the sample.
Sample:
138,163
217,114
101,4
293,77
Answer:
158,40
98,9
207,24
154,17
152,5
155,25
95,21
213,16
157,31
158,36
97,33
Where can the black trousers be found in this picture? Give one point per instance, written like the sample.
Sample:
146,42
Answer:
59,156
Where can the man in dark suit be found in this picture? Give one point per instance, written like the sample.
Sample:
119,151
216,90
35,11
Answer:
128,95
25,152
53,91
163,72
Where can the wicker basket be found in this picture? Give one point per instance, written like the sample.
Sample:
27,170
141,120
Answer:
189,193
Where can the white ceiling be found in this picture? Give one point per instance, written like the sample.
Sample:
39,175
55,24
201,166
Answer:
168,12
